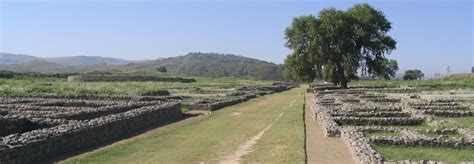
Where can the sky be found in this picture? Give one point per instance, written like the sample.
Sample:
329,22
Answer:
431,35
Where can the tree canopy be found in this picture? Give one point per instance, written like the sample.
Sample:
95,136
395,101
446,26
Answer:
413,75
334,45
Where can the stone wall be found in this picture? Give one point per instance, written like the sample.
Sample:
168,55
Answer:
12,125
240,95
211,104
43,143
22,99
377,120
331,128
360,110
360,147
72,109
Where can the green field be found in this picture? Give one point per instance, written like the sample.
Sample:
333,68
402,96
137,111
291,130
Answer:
453,82
31,86
216,136
450,155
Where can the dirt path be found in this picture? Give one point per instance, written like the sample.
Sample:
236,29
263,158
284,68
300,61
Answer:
246,147
319,148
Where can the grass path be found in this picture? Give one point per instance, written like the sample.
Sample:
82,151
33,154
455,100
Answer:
284,141
213,138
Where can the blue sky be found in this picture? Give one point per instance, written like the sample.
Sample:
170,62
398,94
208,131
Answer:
431,35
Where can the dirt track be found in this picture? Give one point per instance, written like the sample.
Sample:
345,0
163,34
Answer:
319,148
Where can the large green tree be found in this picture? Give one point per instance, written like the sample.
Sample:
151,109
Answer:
334,45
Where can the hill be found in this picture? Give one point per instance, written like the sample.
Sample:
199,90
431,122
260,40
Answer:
7,59
39,66
86,60
192,64
212,65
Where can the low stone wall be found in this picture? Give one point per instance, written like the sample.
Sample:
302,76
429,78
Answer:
74,113
115,78
372,114
431,142
364,108
363,152
9,99
360,148
331,128
211,105
11,125
449,113
43,143
322,109
241,94
377,120
412,137
446,108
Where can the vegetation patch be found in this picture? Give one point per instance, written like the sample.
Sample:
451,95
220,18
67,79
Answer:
282,143
116,78
448,154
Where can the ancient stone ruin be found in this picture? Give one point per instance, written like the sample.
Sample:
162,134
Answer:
352,113
32,129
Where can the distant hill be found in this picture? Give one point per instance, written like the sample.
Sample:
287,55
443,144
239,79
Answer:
86,60
192,64
212,65
7,58
38,66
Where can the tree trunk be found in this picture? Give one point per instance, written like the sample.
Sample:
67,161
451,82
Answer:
344,84
343,79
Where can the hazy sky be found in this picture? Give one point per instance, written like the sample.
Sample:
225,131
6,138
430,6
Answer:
431,35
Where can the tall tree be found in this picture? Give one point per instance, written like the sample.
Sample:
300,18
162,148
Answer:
338,43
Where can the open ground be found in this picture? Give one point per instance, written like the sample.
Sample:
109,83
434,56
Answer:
240,121
272,123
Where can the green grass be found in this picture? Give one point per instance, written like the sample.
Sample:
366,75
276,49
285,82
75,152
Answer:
37,86
382,133
450,155
216,136
454,82
435,135
456,122
284,142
